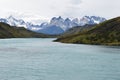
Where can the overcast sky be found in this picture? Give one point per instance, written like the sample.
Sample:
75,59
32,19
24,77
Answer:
66,8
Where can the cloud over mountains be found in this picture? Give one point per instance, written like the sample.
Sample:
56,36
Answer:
65,8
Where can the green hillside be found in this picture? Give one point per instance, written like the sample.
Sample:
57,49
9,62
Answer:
77,29
106,33
7,31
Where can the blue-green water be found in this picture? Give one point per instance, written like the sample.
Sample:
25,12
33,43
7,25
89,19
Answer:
42,59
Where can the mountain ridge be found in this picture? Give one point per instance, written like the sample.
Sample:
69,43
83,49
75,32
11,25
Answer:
55,22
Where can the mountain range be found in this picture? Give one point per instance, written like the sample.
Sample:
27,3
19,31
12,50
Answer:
56,26
105,33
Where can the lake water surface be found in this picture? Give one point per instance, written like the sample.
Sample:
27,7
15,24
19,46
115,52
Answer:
42,59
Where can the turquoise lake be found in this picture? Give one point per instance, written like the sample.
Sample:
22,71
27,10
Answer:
42,59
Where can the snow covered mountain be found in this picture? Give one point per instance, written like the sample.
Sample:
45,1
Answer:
57,25
19,23
67,23
91,20
13,21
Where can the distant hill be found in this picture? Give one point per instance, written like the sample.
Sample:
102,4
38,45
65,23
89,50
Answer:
7,31
106,33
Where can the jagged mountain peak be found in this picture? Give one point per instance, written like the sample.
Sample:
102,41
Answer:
59,17
76,20
67,19
14,18
11,17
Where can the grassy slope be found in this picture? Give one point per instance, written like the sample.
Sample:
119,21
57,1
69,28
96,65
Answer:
106,33
77,29
7,31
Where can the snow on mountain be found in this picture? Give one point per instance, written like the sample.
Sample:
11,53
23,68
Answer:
67,23
16,22
76,21
91,20
57,25
57,22
19,23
